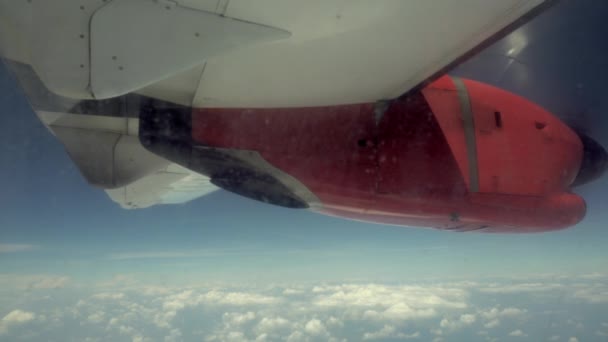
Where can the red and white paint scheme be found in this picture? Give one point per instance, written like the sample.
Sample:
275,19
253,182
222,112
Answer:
458,155
342,107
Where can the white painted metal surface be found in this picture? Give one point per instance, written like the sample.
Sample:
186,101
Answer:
348,51
340,51
171,185
59,41
135,43
15,27
109,155
179,88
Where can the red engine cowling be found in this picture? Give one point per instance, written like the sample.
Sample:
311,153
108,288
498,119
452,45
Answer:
458,155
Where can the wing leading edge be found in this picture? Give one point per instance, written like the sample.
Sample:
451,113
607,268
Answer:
270,53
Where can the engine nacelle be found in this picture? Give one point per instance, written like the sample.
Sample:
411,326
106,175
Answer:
458,155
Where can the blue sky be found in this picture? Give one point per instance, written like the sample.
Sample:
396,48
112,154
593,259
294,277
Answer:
74,265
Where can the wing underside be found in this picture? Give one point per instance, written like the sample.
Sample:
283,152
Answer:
270,53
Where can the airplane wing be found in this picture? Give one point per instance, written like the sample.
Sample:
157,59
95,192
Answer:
87,65
351,52
241,53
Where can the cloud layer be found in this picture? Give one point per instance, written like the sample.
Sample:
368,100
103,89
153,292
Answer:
124,310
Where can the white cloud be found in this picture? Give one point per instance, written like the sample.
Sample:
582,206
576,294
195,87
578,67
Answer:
237,318
261,338
325,288
409,336
15,317
315,328
14,248
402,311
265,329
154,290
174,336
380,302
296,336
593,294
467,319
96,317
554,338
334,322
113,322
292,292
446,323
573,339
493,316
178,301
18,317
271,325
386,332
173,303
374,294
333,339
237,298
309,313
512,312
517,333
492,324
108,295
495,313
126,330
463,321
235,336
389,331
163,319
